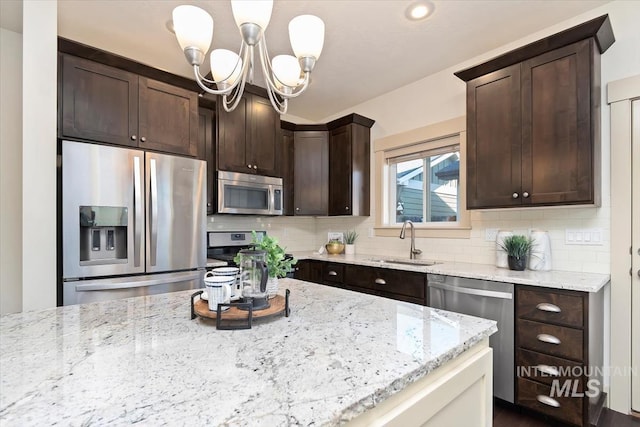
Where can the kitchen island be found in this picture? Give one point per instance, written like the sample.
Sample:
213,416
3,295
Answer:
340,357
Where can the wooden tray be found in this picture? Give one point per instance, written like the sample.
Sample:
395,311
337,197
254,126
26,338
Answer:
277,305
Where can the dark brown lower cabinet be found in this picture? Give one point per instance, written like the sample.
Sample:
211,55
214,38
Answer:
559,353
395,284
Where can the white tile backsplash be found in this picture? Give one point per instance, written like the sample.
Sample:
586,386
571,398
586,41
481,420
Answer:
309,233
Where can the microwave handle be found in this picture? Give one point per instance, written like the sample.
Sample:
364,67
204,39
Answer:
272,199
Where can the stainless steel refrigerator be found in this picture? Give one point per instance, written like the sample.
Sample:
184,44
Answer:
133,223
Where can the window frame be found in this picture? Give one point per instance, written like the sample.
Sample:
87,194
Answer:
431,136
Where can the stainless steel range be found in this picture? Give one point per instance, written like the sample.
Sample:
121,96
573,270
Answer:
225,245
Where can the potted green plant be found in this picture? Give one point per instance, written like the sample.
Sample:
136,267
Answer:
517,248
277,263
349,242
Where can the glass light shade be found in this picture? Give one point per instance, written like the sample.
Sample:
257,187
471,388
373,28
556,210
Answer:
193,27
306,33
225,66
252,11
286,70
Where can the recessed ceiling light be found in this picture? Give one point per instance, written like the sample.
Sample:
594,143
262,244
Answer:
419,10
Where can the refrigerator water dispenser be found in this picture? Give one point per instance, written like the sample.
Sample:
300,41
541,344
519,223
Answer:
103,235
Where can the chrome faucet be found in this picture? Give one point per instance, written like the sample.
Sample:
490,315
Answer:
413,251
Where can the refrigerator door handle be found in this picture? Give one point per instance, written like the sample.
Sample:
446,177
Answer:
137,211
153,212
103,285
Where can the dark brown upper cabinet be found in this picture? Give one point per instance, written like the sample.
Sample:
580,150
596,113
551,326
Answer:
206,152
311,173
330,168
287,171
349,165
533,122
248,138
107,104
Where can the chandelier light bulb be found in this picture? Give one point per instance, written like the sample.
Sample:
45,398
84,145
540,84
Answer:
226,66
252,12
286,70
193,27
306,33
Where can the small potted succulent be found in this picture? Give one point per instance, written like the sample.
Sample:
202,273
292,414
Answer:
349,242
518,248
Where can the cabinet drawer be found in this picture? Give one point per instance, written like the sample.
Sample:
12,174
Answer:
550,307
333,273
555,340
387,281
544,368
538,397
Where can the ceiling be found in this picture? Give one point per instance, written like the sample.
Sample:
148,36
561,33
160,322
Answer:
370,47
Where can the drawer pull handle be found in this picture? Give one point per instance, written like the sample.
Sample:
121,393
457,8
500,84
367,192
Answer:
549,401
549,370
333,273
551,308
549,339
380,282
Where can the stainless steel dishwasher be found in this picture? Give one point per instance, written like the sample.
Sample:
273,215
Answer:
489,300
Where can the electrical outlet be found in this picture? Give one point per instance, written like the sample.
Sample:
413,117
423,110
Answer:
490,234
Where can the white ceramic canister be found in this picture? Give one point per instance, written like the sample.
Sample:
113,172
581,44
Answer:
540,256
501,256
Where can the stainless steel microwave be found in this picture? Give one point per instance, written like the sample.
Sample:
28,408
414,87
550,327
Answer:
241,193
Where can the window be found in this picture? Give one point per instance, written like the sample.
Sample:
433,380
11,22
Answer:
423,187
420,176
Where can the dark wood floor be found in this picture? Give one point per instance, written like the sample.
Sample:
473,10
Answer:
505,415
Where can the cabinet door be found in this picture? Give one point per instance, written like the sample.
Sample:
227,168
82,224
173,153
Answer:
232,138
310,170
340,189
557,149
168,118
494,139
264,141
205,152
287,170
99,103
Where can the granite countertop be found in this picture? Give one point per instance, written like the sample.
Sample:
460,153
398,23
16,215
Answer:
142,360
211,262
586,282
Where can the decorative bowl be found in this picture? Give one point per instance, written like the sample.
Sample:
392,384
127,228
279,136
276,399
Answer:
334,248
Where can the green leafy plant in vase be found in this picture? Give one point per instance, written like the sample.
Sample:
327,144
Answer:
518,248
350,238
276,260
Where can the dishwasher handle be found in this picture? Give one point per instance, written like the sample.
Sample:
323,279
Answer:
471,291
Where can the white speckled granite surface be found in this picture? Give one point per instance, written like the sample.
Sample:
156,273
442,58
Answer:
215,263
586,282
142,360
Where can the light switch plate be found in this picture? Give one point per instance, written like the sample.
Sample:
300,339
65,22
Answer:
584,236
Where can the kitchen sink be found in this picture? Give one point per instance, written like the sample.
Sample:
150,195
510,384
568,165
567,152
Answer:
416,262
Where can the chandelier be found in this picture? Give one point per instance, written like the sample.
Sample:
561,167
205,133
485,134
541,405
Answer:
285,76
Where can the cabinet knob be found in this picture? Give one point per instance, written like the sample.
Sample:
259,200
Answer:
347,208
208,204
255,166
515,195
525,194
133,137
333,273
249,166
297,209
379,281
143,139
